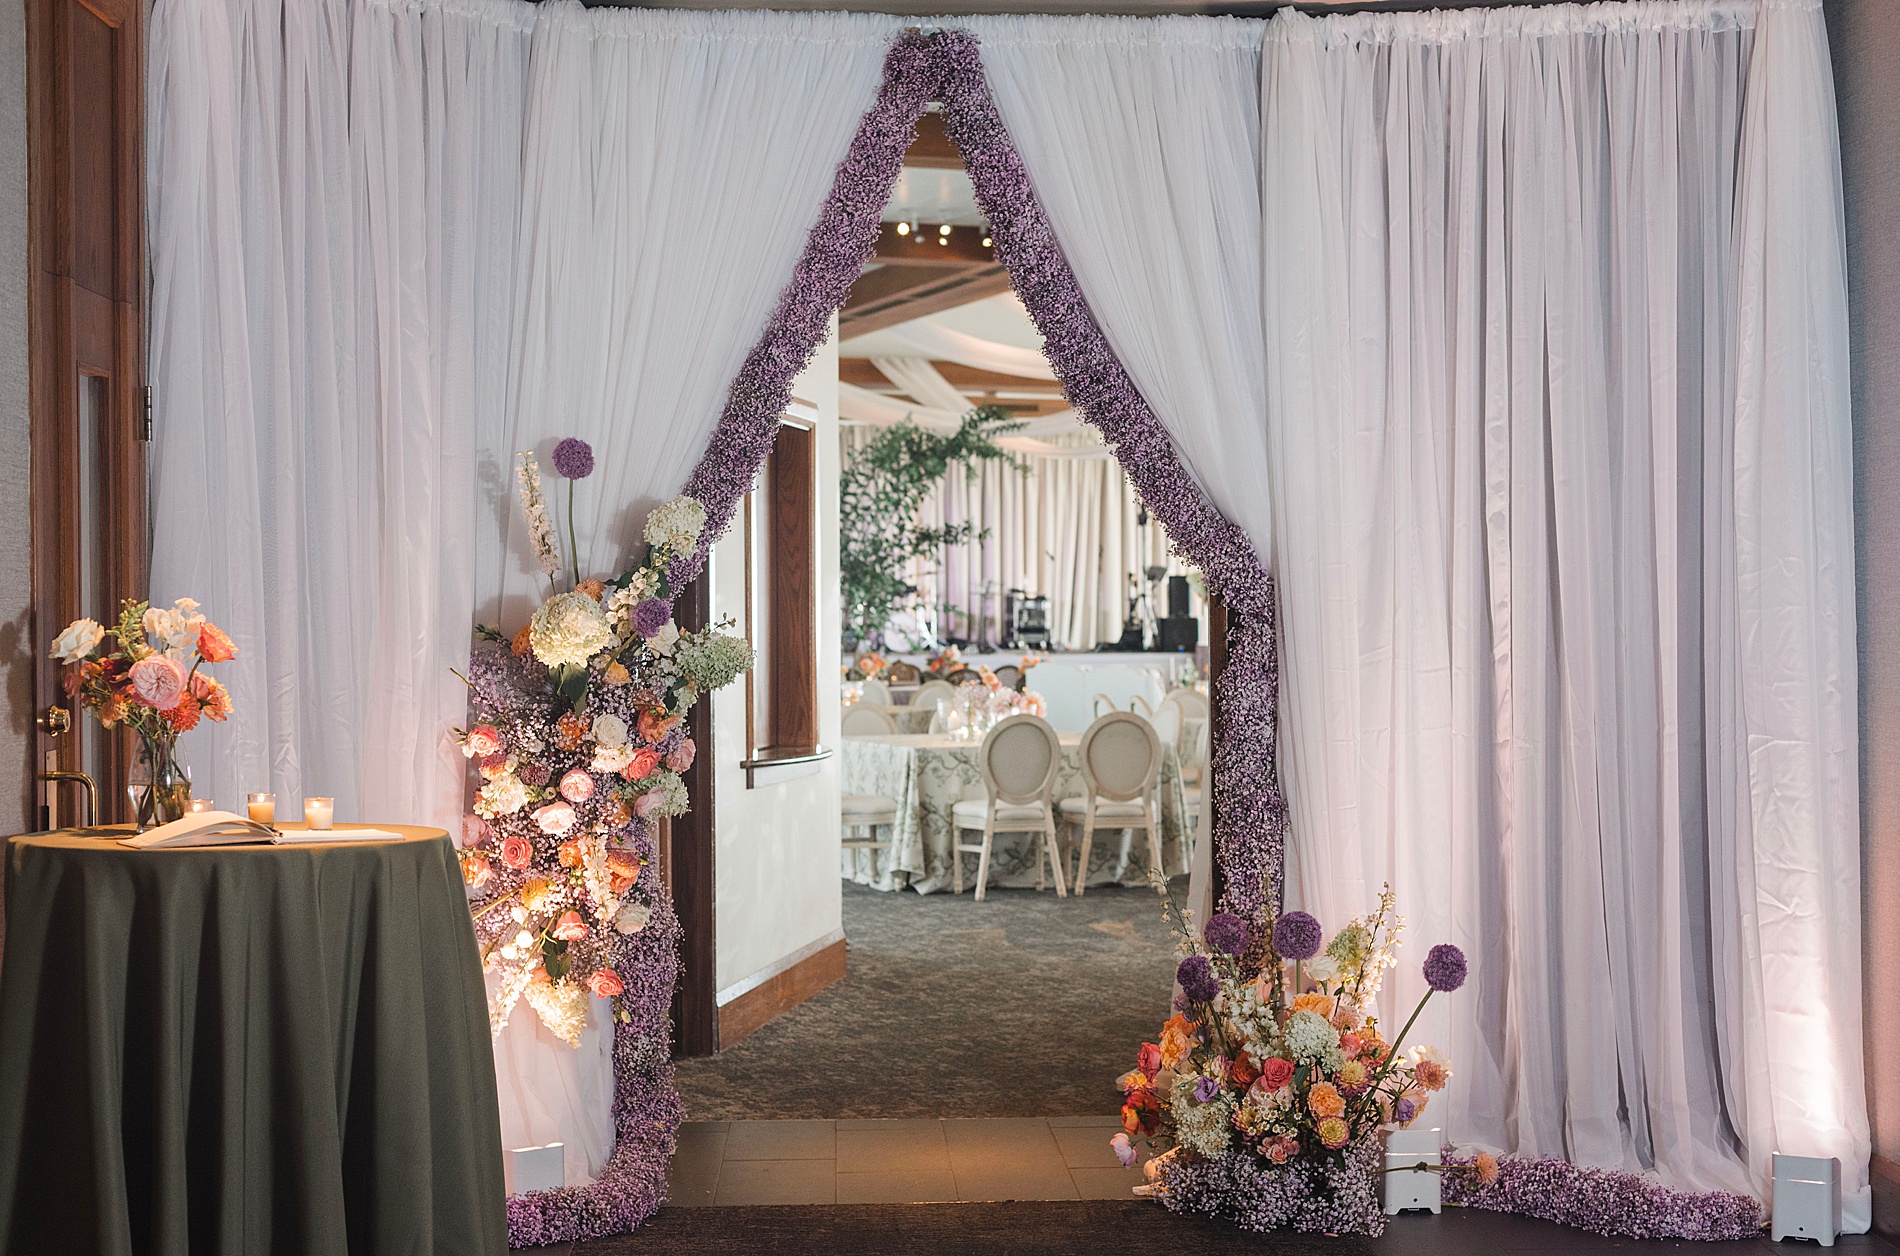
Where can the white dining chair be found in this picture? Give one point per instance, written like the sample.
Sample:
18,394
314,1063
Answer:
863,719
1101,704
863,815
1191,744
876,691
1139,705
1019,758
1121,760
937,692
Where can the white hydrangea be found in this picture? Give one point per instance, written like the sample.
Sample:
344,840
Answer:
672,792
562,1007
569,628
1206,1128
504,795
1310,1036
676,526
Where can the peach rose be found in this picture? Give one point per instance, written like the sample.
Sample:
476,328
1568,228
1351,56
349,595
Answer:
475,869
555,819
616,674
1321,1005
577,786
569,854
516,852
158,682
641,765
605,982
476,831
569,927
213,645
655,724
682,756
623,869
482,740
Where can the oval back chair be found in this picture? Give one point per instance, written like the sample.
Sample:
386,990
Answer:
1121,761
1019,758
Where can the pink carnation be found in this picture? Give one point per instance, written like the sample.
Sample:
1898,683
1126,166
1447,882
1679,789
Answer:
158,682
577,786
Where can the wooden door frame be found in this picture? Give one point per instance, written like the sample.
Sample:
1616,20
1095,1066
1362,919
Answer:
84,319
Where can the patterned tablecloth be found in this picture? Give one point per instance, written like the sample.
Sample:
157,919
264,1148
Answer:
927,774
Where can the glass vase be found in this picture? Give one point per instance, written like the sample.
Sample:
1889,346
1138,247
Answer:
167,792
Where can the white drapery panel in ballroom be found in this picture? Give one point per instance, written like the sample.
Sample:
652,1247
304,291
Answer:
1559,429
392,244
1141,137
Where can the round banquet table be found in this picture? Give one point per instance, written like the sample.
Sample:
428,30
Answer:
244,1049
926,773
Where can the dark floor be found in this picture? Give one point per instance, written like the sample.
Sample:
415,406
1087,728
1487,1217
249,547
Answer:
1020,1005
1048,1229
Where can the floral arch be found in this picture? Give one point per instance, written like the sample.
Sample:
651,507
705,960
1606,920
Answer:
1250,813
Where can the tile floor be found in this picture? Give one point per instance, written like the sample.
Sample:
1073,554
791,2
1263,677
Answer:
923,1161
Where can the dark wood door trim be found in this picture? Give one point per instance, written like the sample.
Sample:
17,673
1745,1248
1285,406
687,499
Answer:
1218,622
691,866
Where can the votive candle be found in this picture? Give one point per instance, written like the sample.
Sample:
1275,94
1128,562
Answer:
197,805
262,807
318,812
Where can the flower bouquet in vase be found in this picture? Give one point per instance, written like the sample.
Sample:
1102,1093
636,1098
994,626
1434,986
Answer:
146,673
1269,1092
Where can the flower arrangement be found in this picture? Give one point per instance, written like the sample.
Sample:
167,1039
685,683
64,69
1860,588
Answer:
866,667
1278,1071
145,673
947,661
580,742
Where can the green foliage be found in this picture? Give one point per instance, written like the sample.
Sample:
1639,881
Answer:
879,494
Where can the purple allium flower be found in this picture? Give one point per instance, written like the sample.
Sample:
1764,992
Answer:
1297,936
1226,933
1445,968
1205,1088
1196,976
1404,1110
650,616
574,458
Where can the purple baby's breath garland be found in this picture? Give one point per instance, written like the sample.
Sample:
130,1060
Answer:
1603,1201
1312,1196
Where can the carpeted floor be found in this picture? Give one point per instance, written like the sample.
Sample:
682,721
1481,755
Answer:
1021,1005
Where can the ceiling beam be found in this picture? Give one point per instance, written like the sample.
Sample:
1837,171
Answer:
896,294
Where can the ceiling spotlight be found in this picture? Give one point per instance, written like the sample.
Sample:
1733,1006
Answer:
903,228
943,239
944,230
986,242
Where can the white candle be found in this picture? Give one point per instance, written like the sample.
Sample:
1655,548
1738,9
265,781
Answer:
262,807
317,812
198,804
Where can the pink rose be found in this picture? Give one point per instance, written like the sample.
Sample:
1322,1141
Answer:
1148,1059
605,982
648,803
158,682
577,786
516,852
569,927
641,765
476,831
555,819
1275,1072
682,756
483,740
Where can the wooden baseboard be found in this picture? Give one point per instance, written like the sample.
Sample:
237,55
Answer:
780,993
1884,1174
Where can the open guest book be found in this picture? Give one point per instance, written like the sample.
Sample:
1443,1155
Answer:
222,828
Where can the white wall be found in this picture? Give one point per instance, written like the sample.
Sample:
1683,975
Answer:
777,891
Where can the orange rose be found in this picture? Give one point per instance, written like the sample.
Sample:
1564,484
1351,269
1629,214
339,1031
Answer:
642,764
655,724
616,674
1241,1070
475,869
523,644
570,731
615,814
569,854
213,645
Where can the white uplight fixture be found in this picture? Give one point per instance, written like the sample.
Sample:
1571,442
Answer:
1409,1185
1807,1201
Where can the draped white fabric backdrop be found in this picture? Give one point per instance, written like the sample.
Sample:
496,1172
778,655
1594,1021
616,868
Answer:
1561,494
1538,326
392,245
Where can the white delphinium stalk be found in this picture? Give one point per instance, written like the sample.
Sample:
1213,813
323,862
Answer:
540,530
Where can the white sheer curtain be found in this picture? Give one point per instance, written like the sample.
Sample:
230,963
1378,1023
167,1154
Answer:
394,243
1559,435
332,206
1141,136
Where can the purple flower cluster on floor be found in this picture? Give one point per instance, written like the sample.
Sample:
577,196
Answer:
1304,1195
1604,1201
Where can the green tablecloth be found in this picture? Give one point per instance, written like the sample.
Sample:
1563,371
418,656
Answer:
244,1050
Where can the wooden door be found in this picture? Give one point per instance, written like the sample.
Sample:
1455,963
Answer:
90,428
